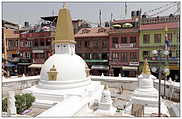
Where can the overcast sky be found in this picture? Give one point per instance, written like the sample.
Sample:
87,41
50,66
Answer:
18,12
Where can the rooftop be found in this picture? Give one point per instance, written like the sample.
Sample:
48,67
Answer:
93,32
170,25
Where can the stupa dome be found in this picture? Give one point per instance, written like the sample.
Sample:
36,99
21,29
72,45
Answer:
71,72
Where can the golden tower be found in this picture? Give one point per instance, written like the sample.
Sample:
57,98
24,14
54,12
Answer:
146,68
64,27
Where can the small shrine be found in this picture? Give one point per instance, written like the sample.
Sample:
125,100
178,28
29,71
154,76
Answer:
52,74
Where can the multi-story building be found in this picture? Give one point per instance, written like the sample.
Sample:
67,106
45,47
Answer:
152,37
124,46
25,53
41,49
10,38
93,46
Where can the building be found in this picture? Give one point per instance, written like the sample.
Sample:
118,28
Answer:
10,38
41,49
93,46
124,46
24,52
152,37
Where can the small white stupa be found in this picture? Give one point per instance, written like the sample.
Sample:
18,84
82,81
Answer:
105,107
144,101
64,77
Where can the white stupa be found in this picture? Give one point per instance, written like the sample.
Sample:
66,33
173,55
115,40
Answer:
144,101
64,79
105,107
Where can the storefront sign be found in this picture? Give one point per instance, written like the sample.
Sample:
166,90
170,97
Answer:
134,63
37,51
128,45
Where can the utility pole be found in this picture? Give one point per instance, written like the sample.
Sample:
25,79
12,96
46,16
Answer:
100,18
111,20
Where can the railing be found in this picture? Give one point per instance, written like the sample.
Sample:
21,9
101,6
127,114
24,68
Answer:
41,47
128,83
18,83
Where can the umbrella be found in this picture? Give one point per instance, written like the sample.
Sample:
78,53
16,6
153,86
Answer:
127,25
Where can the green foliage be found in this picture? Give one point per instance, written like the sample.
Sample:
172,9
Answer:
22,102
4,104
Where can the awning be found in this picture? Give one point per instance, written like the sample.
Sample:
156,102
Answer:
24,63
174,67
35,66
10,65
96,60
100,67
129,68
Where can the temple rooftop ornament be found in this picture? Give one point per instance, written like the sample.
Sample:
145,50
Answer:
64,27
144,100
52,74
146,69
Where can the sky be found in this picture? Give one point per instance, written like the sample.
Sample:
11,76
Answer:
19,12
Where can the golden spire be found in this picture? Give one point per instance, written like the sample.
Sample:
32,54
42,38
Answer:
146,68
64,27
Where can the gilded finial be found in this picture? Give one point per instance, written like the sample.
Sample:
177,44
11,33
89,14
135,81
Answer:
64,27
146,68
64,5
53,68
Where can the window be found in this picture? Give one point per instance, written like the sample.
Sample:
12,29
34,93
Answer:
42,43
94,44
123,40
86,44
86,56
104,55
104,43
36,43
115,56
124,56
146,54
95,56
22,44
132,39
48,43
28,54
146,38
133,56
157,38
169,36
16,43
114,41
177,53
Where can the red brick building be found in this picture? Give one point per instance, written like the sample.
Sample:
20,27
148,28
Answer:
41,49
93,46
124,47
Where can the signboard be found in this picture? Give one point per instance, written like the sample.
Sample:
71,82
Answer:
37,51
128,45
134,63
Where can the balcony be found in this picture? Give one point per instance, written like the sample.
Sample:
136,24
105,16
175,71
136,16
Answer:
42,48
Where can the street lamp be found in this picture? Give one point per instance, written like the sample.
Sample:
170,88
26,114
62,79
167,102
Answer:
161,71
